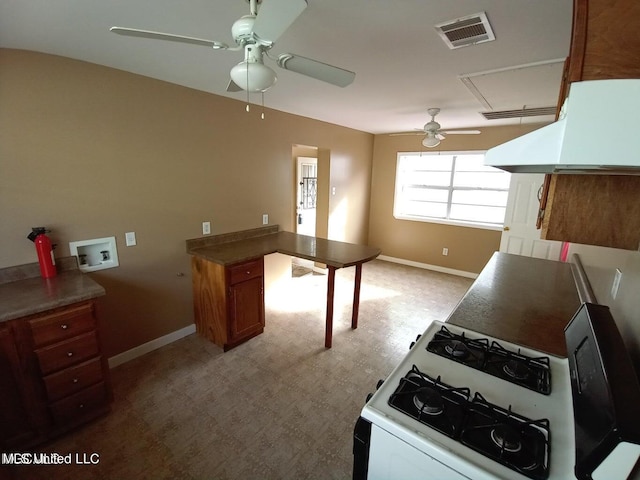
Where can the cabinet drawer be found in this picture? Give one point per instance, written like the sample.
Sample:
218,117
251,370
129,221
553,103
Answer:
82,403
69,352
245,271
73,379
65,324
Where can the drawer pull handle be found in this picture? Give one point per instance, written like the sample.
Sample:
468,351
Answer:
81,406
69,354
64,326
75,380
248,272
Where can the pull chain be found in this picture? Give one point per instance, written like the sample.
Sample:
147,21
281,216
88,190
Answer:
248,87
262,114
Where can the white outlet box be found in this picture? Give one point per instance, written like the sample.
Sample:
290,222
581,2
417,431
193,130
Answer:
96,254
616,283
206,228
265,219
445,251
130,239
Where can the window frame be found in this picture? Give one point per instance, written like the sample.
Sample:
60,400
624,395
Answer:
449,189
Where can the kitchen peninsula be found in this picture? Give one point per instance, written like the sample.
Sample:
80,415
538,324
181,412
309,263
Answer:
228,278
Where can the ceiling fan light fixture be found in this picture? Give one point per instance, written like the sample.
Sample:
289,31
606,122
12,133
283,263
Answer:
431,141
253,76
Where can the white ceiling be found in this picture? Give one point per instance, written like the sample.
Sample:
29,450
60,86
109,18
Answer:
402,65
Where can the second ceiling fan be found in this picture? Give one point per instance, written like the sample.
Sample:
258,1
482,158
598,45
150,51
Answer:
256,33
433,131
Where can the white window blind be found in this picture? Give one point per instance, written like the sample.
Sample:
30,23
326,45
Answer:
450,187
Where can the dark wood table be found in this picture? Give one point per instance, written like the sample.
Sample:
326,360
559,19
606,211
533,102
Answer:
332,253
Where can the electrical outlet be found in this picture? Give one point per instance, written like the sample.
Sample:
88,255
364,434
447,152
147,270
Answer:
445,251
616,283
130,239
265,219
206,228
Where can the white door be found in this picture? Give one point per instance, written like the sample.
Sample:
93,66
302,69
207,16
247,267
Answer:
520,235
307,190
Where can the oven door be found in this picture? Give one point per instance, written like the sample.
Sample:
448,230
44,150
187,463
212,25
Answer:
390,459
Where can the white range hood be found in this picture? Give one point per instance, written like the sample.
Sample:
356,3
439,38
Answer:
598,132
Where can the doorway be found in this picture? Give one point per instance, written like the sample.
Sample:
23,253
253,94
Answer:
306,195
306,208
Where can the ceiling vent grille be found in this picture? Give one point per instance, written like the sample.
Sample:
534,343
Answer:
466,31
520,113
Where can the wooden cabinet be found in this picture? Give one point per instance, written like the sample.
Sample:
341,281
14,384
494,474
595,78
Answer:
15,424
55,374
228,300
601,209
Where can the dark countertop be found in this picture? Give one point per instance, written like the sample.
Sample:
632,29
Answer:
523,300
331,252
36,294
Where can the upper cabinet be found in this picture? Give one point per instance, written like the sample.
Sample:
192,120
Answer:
597,209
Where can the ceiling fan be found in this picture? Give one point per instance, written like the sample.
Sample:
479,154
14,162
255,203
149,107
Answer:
256,34
433,132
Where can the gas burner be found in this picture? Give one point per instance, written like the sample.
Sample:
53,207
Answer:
457,348
470,352
528,372
431,402
516,369
506,438
428,401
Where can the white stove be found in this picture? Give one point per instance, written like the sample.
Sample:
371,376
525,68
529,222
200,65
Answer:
409,438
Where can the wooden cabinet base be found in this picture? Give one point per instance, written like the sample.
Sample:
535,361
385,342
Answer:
53,376
228,301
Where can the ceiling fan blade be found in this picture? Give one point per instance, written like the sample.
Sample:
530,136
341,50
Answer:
275,16
461,132
135,32
314,69
406,133
233,87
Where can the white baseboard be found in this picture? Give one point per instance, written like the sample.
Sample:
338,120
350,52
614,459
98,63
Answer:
154,344
426,266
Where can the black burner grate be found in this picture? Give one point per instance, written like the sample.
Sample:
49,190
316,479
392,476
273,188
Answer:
514,367
431,402
510,439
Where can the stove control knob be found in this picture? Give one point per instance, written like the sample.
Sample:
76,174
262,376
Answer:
369,396
379,384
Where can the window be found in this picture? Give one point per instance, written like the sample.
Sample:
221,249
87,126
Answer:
450,187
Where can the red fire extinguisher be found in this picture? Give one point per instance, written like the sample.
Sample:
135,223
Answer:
44,248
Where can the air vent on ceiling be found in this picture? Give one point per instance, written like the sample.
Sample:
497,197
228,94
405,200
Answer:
520,113
465,31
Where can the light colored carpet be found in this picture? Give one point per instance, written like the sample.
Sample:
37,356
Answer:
280,406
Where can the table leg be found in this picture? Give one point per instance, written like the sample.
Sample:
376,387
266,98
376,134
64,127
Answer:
356,296
330,287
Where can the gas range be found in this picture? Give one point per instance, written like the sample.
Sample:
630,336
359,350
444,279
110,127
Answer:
474,406
463,405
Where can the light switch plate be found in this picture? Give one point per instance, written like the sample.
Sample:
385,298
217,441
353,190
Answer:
130,239
206,228
265,219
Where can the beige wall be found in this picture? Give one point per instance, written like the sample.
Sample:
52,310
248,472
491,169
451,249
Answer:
469,248
90,152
